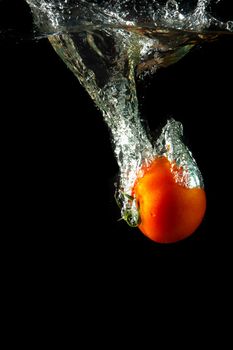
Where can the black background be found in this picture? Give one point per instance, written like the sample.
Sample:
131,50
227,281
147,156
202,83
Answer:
62,219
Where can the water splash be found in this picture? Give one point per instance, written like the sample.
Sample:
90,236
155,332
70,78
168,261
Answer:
107,44
56,16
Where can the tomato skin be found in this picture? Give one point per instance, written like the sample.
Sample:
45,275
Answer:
168,211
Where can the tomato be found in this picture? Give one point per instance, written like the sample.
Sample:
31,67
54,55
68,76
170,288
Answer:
168,211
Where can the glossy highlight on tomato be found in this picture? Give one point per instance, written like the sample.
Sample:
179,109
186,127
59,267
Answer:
168,211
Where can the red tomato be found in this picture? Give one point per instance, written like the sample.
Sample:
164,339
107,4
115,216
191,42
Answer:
168,211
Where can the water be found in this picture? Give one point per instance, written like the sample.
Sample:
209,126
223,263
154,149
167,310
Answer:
109,45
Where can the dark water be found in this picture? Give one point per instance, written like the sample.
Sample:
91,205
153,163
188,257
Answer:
48,174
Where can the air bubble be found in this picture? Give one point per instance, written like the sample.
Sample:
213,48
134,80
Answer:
229,26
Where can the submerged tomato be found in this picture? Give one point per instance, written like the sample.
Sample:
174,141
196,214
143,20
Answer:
168,211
